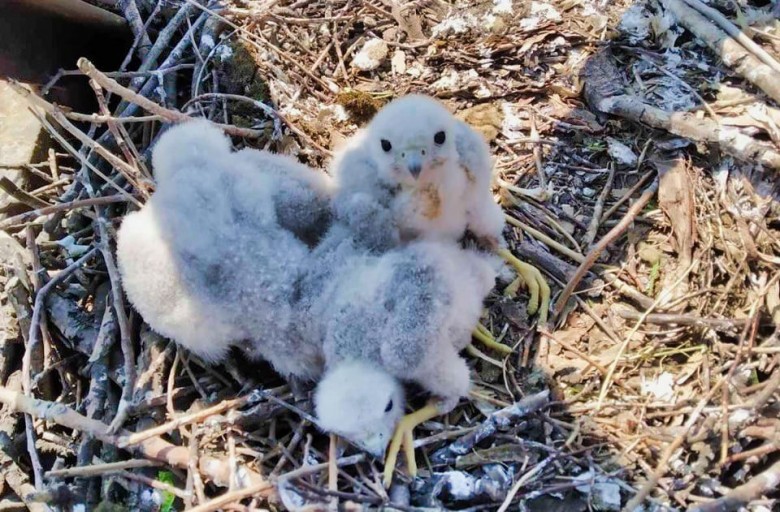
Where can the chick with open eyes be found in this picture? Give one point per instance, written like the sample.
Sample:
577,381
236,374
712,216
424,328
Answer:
238,249
418,173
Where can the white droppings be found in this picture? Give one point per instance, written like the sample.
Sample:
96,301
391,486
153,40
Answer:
206,41
621,153
739,416
459,24
224,52
502,6
398,62
461,485
661,387
539,12
635,23
371,55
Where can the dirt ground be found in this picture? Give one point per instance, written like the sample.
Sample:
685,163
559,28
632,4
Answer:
637,156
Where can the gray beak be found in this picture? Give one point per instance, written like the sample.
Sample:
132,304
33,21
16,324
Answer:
414,163
374,445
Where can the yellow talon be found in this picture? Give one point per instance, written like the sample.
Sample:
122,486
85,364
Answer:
484,336
537,285
403,434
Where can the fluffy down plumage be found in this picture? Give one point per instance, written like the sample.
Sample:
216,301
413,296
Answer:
416,172
240,248
212,260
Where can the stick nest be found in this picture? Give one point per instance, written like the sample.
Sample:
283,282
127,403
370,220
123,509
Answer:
658,376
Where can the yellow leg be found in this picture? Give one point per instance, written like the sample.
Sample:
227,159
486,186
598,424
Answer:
537,285
482,335
403,434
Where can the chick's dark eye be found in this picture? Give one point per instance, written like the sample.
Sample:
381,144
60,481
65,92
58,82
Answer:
386,145
439,138
389,406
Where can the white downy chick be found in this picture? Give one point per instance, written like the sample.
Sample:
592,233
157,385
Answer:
207,261
407,314
416,171
361,403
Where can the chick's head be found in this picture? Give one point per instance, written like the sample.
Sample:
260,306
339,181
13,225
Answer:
413,140
360,402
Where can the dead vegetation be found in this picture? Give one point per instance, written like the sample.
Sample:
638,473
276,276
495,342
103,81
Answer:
637,163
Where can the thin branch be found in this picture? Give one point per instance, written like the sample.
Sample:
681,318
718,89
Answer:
173,116
216,469
610,237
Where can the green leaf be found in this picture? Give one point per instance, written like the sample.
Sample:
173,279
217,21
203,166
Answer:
166,477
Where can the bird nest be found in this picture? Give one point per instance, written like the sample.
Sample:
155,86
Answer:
655,381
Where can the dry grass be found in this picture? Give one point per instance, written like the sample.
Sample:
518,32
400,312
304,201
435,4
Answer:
659,375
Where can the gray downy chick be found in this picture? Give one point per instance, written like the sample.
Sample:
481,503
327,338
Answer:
416,171
213,259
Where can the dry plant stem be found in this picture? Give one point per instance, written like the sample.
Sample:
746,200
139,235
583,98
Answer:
15,478
32,342
610,237
128,353
85,161
736,33
601,75
163,39
522,481
545,239
184,420
684,124
37,274
613,367
748,335
718,324
133,17
57,114
173,116
661,467
121,137
10,188
101,469
285,479
537,152
268,110
595,222
33,336
730,51
102,119
628,194
155,448
193,475
82,203
764,483
333,470
232,497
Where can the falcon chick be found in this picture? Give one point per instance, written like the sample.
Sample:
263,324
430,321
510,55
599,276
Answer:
406,313
416,171
213,258
221,256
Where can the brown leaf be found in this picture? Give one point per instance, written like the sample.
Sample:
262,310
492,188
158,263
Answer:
675,197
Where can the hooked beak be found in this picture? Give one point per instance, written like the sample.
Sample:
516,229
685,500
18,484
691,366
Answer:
414,161
373,444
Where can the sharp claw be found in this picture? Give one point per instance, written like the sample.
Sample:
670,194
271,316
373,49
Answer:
484,336
537,285
403,435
